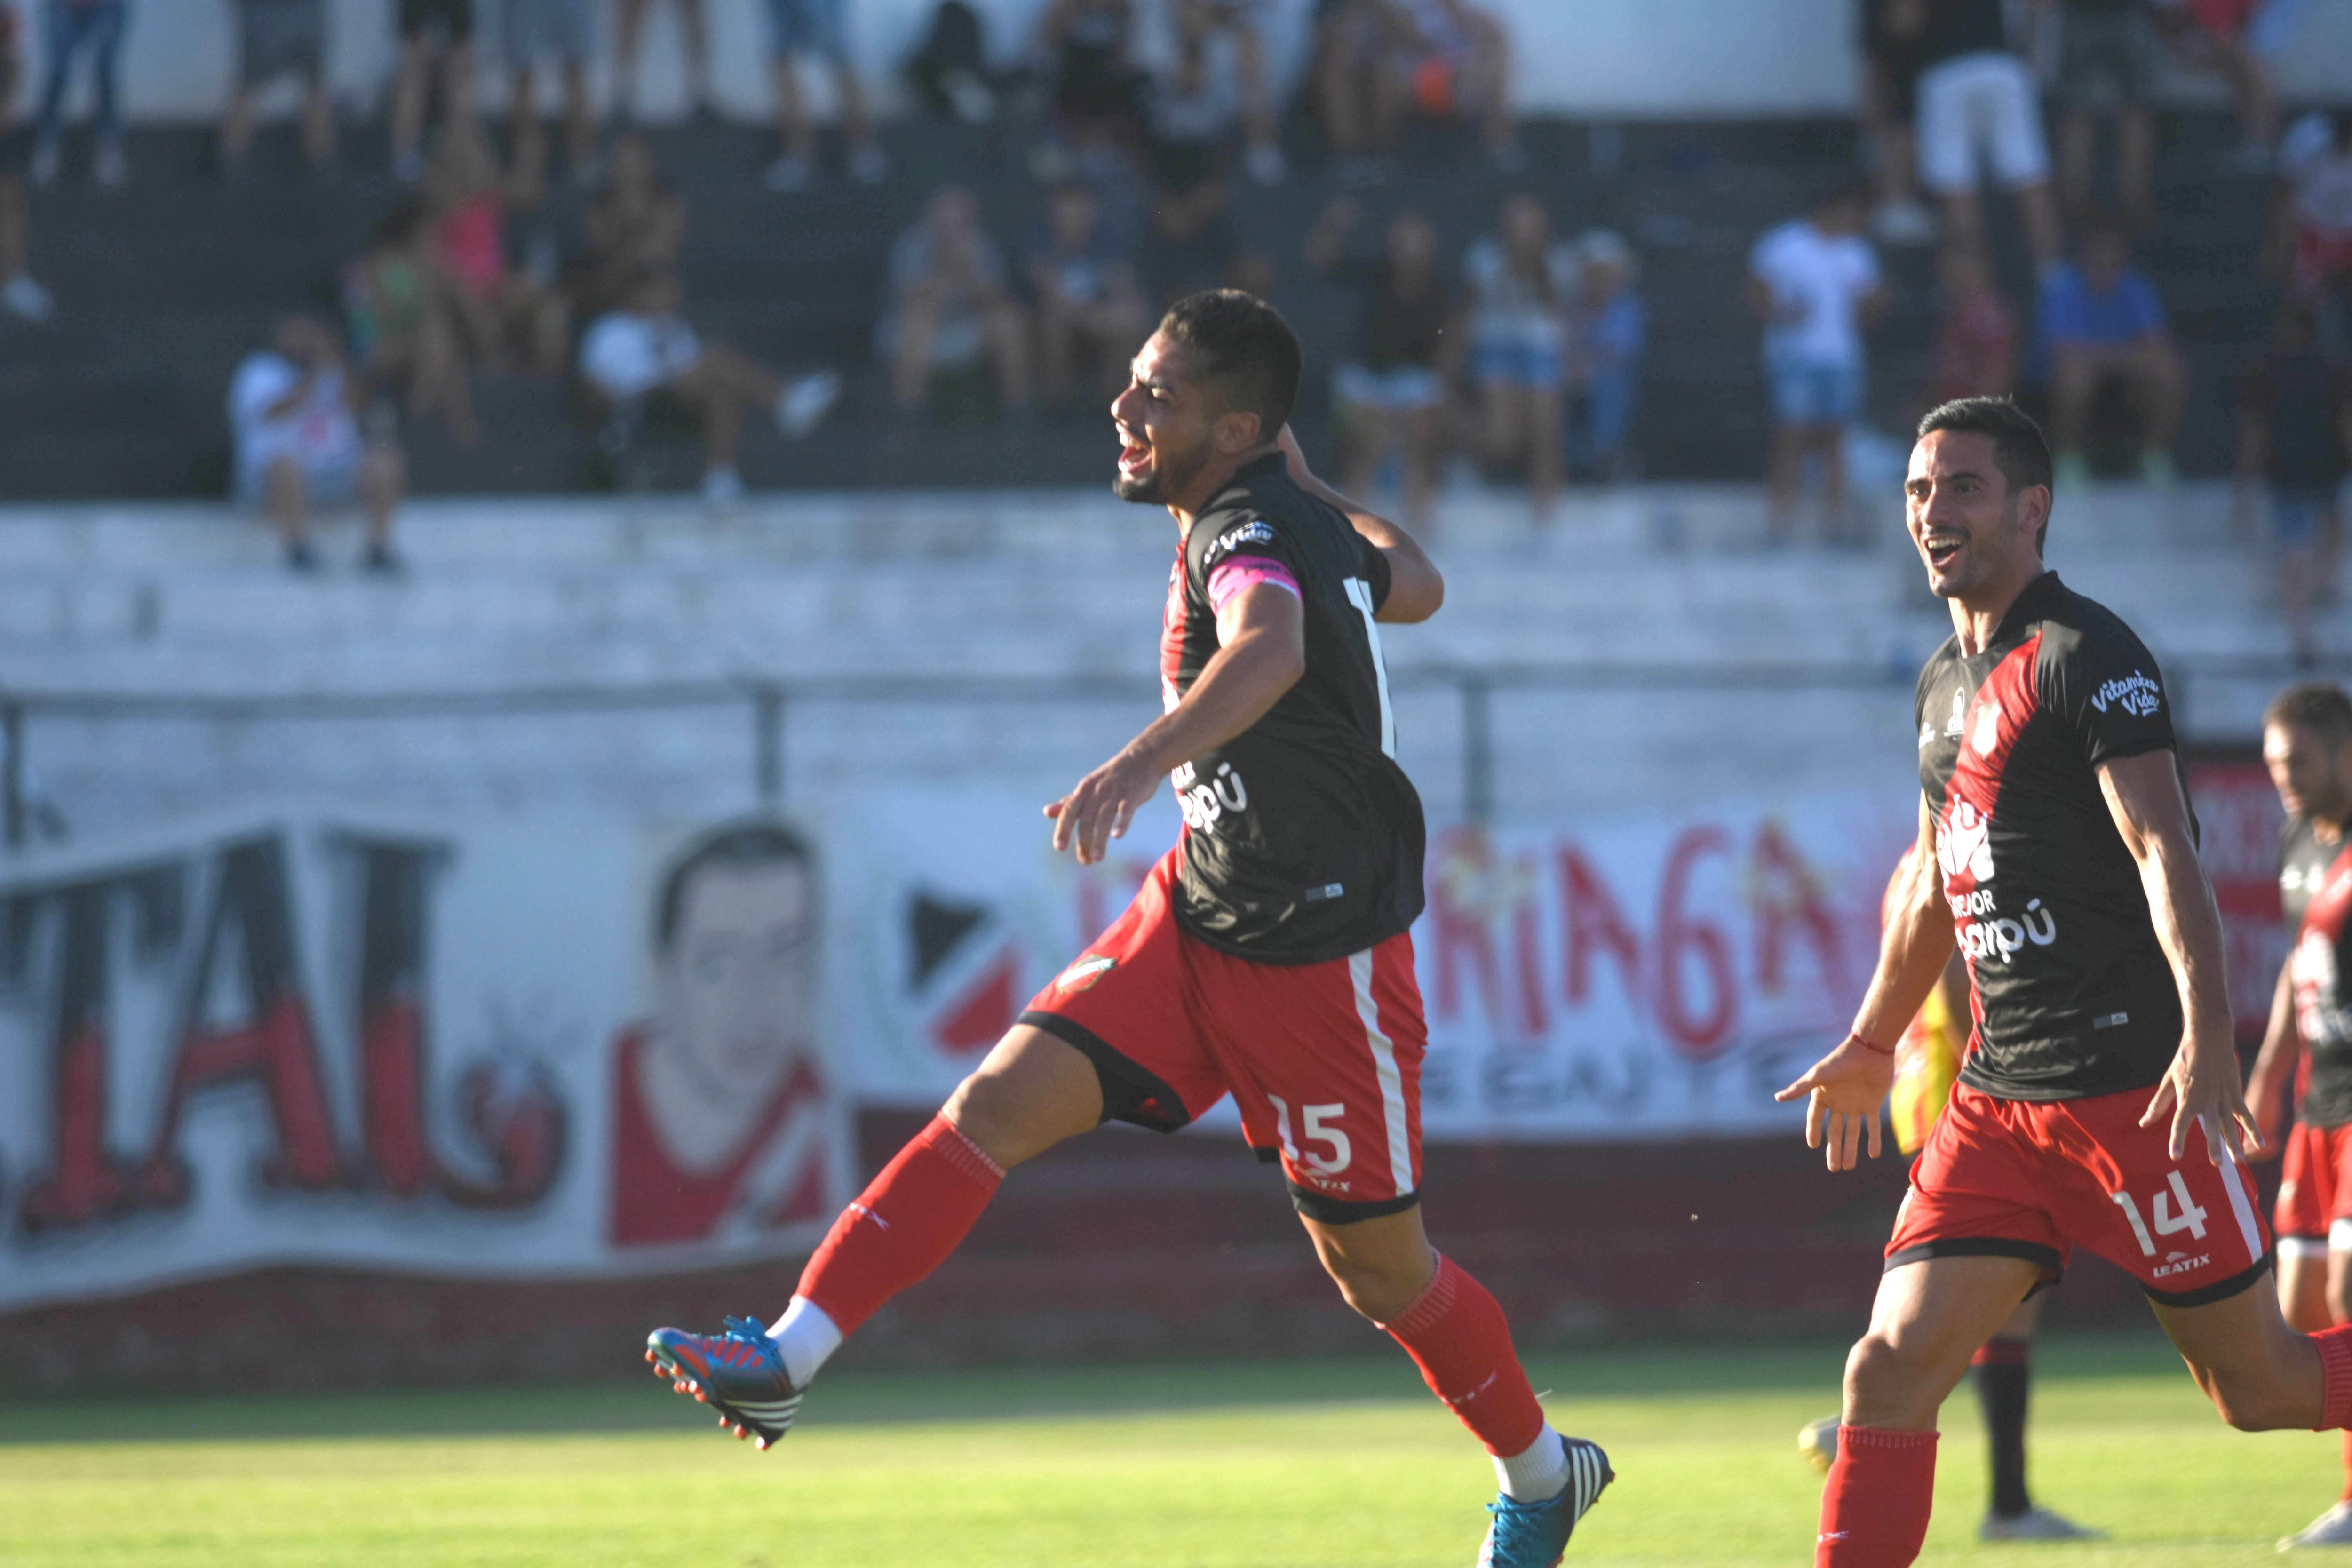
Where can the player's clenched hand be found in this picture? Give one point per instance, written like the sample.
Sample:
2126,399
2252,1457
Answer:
1099,809
2201,1088
1846,1088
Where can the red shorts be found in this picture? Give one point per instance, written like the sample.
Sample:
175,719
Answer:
2013,1178
2315,1186
2320,256
1323,1060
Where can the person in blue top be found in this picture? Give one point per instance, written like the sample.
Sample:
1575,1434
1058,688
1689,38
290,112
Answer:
2104,325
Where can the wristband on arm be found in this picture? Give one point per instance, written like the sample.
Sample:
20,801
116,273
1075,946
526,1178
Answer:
1871,1046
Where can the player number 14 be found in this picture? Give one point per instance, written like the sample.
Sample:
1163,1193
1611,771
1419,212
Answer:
2168,1222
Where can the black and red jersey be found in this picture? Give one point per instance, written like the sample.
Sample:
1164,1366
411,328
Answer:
2315,894
1303,840
2073,995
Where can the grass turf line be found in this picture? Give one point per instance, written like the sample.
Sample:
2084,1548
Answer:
1286,1465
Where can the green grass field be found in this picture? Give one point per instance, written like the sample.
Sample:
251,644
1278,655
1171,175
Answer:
1301,1465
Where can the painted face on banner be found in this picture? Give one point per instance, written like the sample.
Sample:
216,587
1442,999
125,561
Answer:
738,987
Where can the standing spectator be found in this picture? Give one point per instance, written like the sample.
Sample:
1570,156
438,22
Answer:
817,27
436,38
1976,333
508,311
1814,281
1608,328
1361,91
1459,68
277,39
2294,428
2235,39
1088,47
644,346
2108,54
635,226
1391,394
951,72
1891,33
294,409
77,26
2310,226
1198,22
693,25
404,317
530,31
1519,280
2106,326
1978,100
1089,307
951,308
19,295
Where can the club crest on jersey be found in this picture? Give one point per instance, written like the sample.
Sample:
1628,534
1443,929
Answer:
1255,531
1082,975
1986,738
1960,719
1963,843
2135,693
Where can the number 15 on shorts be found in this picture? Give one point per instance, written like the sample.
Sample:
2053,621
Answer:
2168,1221
1315,1125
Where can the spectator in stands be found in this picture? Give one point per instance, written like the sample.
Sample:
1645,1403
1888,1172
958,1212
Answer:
1389,394
1091,309
530,32
1976,332
1458,64
74,28
1361,91
951,311
1088,50
1978,100
2295,429
2235,39
635,225
1891,33
277,38
1519,281
2109,50
951,72
437,40
19,295
816,28
694,28
2106,326
1199,23
508,313
1190,117
1814,282
404,317
645,347
294,411
1608,329
2311,224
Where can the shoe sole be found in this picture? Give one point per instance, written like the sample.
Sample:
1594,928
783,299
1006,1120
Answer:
746,1428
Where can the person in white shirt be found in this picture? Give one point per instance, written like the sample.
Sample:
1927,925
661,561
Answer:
293,409
2311,222
1814,282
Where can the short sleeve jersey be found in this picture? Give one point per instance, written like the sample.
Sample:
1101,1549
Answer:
2315,894
1303,840
2073,995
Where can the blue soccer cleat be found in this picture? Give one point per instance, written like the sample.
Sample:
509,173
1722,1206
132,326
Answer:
740,1374
1535,1534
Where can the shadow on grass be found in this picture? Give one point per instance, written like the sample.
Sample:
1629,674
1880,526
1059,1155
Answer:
1707,1371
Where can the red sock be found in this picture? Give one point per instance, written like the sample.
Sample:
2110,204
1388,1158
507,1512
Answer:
1875,1509
902,1226
2335,1345
1456,1333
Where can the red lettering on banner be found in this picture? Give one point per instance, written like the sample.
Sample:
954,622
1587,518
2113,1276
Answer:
1458,926
1789,901
1596,925
1696,1034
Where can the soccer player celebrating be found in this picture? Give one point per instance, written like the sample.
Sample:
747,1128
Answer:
1267,955
2100,1100
2308,743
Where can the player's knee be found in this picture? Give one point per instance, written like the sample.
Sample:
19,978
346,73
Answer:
1380,1289
1886,1377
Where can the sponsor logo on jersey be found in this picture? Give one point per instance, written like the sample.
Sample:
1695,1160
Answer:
1205,803
1255,531
1963,843
2166,1270
2135,694
1996,941
1082,975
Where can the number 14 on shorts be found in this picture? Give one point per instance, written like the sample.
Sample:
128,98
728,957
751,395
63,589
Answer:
2168,1221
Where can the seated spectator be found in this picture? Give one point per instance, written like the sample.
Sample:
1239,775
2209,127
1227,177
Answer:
74,28
1890,100
644,347
2311,224
437,40
1978,100
1087,47
950,310
816,28
1814,282
2108,55
1520,284
293,409
2236,39
2295,429
1976,333
635,225
2106,326
1089,308
507,314
951,72
694,28
1608,328
532,30
1389,395
1194,243
277,38
1458,63
1190,112
1201,22
404,324
19,295
1361,91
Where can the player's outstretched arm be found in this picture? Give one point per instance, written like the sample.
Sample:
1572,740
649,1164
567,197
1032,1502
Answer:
1846,1088
2202,1085
1416,587
2274,1068
1261,654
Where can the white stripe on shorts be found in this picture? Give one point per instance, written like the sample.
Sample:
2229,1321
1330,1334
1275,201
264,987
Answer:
2233,1182
1360,970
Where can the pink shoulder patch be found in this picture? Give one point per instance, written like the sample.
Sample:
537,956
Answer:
1238,573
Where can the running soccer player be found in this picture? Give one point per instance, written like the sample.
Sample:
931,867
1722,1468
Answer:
2307,745
2100,1102
1267,955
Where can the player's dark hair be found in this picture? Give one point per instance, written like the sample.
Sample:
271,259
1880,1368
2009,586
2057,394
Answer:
743,845
2318,706
1245,348
2020,450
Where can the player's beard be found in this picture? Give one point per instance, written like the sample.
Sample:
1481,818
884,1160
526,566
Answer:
1165,477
